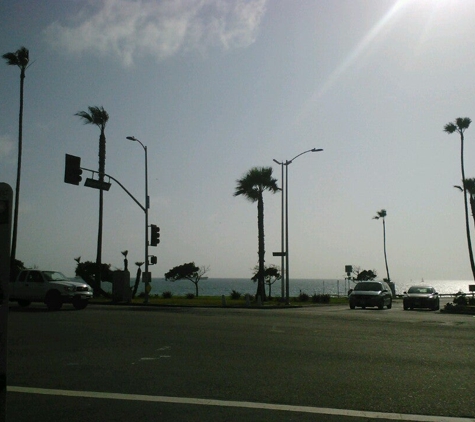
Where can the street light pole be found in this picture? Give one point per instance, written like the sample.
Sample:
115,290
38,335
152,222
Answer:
148,277
281,164
287,272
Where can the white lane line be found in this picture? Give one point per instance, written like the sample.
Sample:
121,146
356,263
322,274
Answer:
240,404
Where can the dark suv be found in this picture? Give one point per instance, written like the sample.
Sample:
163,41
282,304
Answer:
371,293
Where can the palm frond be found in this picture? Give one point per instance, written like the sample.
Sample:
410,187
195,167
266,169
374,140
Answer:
96,116
255,182
450,128
469,185
463,122
19,58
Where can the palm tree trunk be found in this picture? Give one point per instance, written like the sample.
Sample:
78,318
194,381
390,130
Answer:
467,224
137,282
18,174
102,164
261,291
385,256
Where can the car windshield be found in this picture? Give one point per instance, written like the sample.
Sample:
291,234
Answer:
54,276
420,290
368,286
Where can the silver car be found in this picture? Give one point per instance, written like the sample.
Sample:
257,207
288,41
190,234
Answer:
371,293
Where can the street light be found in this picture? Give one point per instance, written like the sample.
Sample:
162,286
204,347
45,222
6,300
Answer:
286,164
146,275
282,254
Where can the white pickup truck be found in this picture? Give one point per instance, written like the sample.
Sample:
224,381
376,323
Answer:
50,287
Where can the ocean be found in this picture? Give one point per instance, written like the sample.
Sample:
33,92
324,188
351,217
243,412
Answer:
224,286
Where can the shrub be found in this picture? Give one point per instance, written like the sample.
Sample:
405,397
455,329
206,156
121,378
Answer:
320,298
304,297
235,295
471,301
460,299
190,296
316,298
167,295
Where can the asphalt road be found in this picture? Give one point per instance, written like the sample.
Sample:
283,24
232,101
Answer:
173,364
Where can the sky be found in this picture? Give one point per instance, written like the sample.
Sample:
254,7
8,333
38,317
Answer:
216,87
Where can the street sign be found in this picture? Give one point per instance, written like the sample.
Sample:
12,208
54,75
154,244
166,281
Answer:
96,184
279,254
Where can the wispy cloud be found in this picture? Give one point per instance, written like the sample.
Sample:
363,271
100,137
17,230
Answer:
132,29
7,146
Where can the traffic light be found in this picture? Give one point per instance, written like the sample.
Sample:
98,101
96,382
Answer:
155,235
72,169
153,260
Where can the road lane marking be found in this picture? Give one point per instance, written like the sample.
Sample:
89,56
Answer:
239,404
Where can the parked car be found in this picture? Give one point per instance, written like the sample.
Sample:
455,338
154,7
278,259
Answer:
371,293
50,287
421,297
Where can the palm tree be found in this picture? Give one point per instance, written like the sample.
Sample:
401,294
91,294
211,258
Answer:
98,116
252,186
382,214
459,126
19,58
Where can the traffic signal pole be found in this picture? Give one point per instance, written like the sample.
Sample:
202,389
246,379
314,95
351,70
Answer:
72,175
147,205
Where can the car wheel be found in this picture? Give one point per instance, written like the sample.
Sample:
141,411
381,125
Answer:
80,304
24,302
53,300
390,304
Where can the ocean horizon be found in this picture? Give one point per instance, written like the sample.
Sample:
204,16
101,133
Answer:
335,287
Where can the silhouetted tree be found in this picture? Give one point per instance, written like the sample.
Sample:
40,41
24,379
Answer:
98,116
19,58
252,186
88,272
382,215
366,275
271,275
459,126
187,271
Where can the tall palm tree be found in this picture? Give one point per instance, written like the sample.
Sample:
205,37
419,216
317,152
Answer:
382,214
459,126
19,58
99,117
252,186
